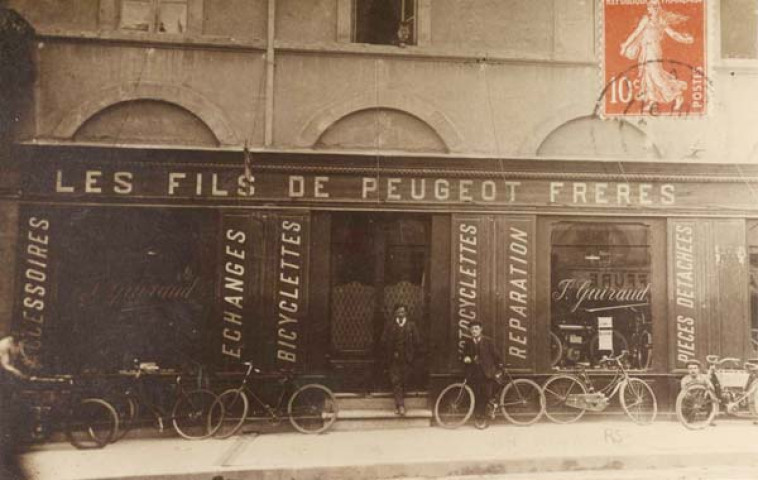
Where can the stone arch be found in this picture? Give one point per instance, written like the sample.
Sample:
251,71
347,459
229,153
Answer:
184,97
566,115
591,136
146,122
386,100
381,129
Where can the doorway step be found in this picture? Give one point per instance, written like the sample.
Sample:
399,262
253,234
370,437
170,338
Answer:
376,411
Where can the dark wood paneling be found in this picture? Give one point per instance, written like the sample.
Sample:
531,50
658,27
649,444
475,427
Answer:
729,296
318,321
440,331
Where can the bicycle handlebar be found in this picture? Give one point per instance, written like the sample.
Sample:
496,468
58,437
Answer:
714,360
616,359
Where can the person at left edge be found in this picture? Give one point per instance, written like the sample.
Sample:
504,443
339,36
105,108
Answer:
402,343
13,363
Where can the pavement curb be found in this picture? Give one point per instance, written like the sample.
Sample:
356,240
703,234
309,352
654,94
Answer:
463,468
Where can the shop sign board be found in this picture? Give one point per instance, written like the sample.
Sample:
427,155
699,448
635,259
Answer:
290,288
237,267
468,275
228,184
38,245
686,261
515,245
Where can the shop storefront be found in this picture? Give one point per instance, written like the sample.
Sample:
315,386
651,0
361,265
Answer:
177,257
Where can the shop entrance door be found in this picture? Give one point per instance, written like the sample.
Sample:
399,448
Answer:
377,262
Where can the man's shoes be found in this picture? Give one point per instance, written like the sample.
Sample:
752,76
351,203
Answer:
400,411
481,422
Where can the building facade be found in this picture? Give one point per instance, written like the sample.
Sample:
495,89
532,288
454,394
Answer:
228,180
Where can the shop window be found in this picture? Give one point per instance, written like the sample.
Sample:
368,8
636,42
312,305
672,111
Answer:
157,16
139,290
600,294
739,28
753,285
385,22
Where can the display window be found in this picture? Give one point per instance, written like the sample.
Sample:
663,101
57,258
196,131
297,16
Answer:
136,285
601,281
753,285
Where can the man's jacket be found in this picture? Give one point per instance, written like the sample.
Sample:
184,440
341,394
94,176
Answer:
483,356
404,341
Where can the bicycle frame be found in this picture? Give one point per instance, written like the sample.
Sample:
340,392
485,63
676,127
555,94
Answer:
620,376
275,411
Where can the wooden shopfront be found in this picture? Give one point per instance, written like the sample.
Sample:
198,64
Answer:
172,255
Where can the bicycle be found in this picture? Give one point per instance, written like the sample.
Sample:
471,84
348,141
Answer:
311,408
568,397
734,390
61,403
195,413
521,401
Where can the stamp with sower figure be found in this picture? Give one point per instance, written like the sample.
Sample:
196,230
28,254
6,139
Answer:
654,58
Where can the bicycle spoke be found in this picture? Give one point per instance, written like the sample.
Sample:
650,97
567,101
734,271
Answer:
454,406
312,409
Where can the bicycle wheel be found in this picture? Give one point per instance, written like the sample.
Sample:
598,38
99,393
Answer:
696,406
638,401
312,409
556,349
197,414
454,405
646,350
557,390
92,423
236,406
522,402
620,344
127,409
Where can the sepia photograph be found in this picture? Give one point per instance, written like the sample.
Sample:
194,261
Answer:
378,239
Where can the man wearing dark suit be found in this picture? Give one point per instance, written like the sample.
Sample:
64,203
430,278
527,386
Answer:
401,342
482,362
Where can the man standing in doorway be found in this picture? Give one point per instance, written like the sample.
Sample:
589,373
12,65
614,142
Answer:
401,342
482,362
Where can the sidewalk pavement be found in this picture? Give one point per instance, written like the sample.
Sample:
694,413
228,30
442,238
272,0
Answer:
414,452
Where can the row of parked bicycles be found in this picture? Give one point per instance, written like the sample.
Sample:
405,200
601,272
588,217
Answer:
729,386
66,403
563,398
196,412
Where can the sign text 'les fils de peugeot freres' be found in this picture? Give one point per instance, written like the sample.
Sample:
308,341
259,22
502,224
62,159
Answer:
271,186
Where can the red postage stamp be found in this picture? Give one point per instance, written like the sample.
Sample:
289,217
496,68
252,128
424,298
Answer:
654,57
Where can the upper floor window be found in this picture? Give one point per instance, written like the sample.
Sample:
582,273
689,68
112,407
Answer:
156,16
385,22
739,28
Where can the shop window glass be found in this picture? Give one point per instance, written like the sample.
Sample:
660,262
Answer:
752,242
753,291
739,28
600,294
161,16
138,286
385,22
